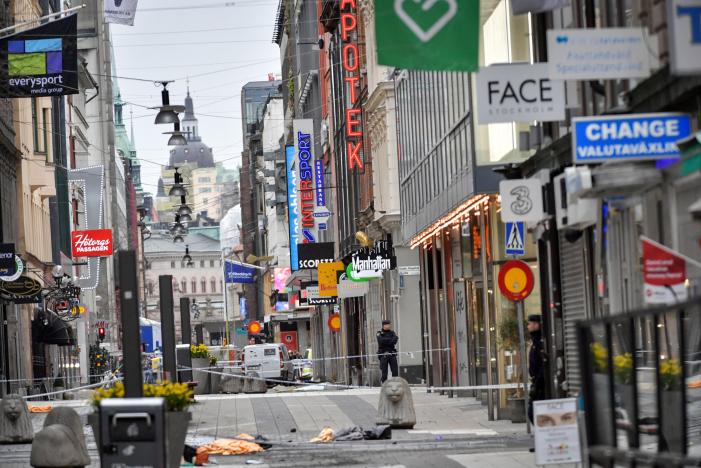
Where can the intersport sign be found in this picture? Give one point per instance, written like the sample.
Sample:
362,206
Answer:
92,243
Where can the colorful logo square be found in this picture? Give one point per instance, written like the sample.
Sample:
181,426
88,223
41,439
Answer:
35,57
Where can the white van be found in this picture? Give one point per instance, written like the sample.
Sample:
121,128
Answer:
271,360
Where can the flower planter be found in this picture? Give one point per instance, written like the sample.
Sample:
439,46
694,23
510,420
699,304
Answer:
176,423
201,377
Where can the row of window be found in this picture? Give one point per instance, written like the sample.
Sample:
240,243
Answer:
203,263
182,287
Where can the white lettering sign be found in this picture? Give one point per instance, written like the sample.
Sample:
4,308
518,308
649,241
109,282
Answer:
598,54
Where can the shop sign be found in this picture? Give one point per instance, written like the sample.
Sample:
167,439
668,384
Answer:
598,54
41,61
628,137
282,274
311,255
348,288
312,295
91,181
515,238
120,11
520,7
236,272
328,278
664,275
684,29
19,269
516,280
556,432
521,200
371,263
21,290
309,178
351,67
92,243
292,205
412,270
7,259
519,93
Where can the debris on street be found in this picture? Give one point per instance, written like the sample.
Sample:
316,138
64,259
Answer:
241,445
326,435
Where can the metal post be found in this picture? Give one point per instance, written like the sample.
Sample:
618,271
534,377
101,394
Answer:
199,334
226,301
524,363
486,313
165,287
186,332
131,335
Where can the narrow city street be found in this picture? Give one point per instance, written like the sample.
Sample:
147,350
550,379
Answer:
450,432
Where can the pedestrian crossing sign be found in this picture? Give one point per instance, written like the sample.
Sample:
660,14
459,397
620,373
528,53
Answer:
515,237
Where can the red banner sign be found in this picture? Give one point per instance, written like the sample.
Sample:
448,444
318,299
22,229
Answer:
92,243
664,275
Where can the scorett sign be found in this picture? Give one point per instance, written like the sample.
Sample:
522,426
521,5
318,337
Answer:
311,255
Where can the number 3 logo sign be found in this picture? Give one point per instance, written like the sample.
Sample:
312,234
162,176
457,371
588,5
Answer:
521,200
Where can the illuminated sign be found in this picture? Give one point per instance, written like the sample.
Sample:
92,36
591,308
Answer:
292,205
351,66
308,174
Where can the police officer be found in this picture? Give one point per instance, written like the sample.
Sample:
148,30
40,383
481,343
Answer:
386,350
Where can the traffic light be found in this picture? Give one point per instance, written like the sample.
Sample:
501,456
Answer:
101,333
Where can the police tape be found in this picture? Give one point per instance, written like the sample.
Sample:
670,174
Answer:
75,389
508,386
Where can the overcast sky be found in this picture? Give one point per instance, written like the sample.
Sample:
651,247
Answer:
232,46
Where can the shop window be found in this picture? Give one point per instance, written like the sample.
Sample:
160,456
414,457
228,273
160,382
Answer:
193,285
183,286
203,284
213,285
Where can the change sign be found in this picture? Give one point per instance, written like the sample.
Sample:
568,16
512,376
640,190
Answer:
628,137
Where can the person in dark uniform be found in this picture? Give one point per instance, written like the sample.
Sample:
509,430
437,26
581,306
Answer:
386,350
536,363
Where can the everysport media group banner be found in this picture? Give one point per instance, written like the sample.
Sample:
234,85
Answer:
42,61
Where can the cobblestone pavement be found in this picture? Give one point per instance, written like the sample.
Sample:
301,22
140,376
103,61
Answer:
450,432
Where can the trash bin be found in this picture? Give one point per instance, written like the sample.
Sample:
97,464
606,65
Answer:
132,432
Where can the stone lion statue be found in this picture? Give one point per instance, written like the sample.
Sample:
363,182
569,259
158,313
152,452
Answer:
396,407
15,426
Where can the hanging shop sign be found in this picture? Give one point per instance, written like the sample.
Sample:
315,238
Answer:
664,275
628,137
428,34
41,61
18,270
520,7
237,272
519,93
684,29
309,183
521,200
556,432
598,54
369,263
311,255
328,278
90,180
92,243
516,280
348,288
312,297
292,205
22,290
351,67
7,259
120,11
334,323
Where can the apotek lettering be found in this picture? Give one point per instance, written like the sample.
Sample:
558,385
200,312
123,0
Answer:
351,65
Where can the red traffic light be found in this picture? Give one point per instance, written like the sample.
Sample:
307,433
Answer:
101,333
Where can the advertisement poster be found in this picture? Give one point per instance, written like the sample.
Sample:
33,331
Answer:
328,278
629,137
556,432
42,61
598,54
282,274
519,93
664,275
289,339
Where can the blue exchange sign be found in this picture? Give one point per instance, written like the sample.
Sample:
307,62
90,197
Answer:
628,137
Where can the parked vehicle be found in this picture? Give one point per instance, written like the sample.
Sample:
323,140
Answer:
271,360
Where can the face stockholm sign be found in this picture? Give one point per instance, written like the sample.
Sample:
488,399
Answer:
351,66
